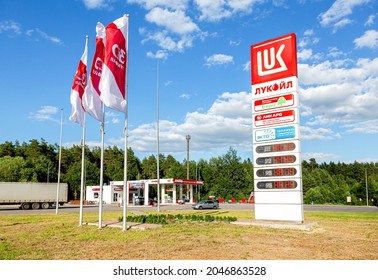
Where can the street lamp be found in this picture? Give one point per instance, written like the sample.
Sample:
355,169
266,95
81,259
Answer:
187,156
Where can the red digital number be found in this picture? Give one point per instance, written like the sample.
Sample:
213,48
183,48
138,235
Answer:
278,172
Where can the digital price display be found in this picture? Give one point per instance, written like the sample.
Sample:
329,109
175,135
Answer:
276,160
290,184
276,172
275,148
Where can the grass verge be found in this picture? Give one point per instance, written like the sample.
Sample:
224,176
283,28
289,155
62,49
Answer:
345,236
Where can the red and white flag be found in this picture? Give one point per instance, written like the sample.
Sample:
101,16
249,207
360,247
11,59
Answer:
78,87
114,69
91,98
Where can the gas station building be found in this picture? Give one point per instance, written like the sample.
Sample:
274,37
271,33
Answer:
172,191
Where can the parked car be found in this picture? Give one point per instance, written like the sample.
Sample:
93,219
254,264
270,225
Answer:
206,204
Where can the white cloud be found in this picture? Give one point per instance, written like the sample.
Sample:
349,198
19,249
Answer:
335,95
232,105
234,43
218,59
334,52
368,40
368,126
173,21
247,66
337,15
177,30
96,4
46,113
168,43
10,27
14,28
185,96
304,54
229,115
150,4
160,54
215,10
36,33
319,157
370,20
310,133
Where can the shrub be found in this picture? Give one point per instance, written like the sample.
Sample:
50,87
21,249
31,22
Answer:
164,219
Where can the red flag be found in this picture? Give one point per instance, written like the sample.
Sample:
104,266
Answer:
78,87
114,69
91,98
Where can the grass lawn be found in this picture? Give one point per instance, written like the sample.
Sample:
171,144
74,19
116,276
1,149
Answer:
337,236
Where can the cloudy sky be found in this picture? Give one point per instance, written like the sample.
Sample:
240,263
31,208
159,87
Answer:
202,51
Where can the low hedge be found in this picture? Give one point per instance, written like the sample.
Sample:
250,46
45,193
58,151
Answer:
170,218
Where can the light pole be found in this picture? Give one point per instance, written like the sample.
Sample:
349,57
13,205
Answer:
48,171
187,156
366,186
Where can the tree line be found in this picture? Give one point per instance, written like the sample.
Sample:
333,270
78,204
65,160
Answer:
226,176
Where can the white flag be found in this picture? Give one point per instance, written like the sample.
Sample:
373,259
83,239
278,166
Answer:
91,98
78,87
114,69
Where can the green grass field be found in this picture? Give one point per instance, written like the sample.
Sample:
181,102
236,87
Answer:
337,236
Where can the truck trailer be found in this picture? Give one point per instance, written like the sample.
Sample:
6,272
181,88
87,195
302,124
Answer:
32,195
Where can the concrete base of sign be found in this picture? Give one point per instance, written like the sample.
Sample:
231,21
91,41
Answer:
277,224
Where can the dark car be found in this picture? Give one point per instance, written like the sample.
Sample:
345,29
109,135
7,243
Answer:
206,204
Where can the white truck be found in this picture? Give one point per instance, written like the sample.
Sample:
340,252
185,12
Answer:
32,195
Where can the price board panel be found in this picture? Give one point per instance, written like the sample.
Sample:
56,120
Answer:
291,146
276,172
274,159
288,184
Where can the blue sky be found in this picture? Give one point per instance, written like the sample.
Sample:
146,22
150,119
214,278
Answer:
203,49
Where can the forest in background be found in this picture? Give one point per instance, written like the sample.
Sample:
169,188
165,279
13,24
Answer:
226,176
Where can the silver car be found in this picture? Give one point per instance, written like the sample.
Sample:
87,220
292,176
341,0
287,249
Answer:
206,204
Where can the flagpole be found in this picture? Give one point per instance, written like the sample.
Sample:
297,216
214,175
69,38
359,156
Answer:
125,184
157,137
82,172
60,160
82,158
102,129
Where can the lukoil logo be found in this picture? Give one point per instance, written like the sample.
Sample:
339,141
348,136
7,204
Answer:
274,59
119,54
269,61
98,64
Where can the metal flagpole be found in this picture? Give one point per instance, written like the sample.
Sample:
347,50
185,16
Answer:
157,137
102,129
82,163
60,160
82,172
125,183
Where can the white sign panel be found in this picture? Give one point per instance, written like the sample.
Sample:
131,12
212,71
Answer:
289,116
276,87
276,143
276,133
275,102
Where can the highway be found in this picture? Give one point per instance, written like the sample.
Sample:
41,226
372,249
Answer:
14,209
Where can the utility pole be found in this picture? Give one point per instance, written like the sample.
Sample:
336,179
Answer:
187,156
367,192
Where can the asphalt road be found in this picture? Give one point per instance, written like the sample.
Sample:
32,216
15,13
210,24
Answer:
14,209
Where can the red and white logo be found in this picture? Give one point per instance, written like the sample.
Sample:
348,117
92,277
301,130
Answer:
275,102
274,59
276,118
